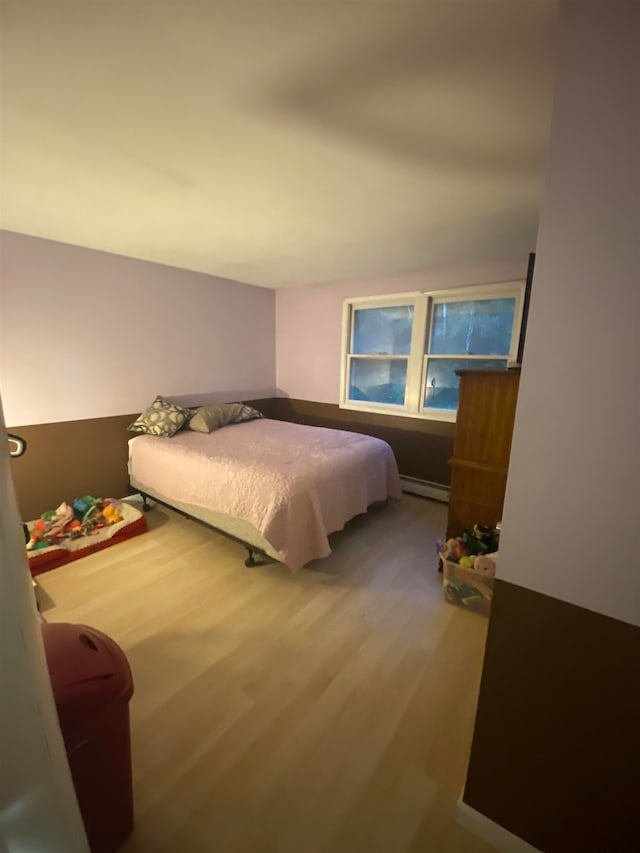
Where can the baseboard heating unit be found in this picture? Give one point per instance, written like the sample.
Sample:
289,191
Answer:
425,488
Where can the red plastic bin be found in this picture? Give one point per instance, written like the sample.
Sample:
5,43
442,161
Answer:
92,686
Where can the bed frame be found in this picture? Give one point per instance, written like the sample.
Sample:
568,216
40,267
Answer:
250,560
296,523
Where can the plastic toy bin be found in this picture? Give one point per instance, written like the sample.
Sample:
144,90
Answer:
467,588
92,686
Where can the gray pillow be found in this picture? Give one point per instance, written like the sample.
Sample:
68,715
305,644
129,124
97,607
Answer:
161,418
210,418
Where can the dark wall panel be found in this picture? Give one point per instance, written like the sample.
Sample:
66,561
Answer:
74,458
69,459
422,447
556,747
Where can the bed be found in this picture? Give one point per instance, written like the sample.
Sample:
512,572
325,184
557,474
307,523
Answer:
278,488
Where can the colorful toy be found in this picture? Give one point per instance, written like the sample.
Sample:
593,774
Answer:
453,550
35,536
457,590
85,507
85,516
469,566
474,542
480,539
62,517
110,511
50,527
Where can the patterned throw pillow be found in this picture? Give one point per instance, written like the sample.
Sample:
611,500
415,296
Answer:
210,418
246,413
161,418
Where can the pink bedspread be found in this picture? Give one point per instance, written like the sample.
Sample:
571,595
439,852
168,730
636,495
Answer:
295,484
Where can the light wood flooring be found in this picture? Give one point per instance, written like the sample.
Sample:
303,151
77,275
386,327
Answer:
325,712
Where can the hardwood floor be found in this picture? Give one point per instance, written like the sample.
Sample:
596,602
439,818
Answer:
325,712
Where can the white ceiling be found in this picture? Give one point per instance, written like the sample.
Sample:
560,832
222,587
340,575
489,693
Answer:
278,143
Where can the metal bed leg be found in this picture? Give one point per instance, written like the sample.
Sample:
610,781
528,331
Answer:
252,551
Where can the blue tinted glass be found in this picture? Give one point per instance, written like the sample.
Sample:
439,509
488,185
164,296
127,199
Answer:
378,380
476,327
441,389
383,331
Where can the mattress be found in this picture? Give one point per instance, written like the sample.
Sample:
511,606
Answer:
291,484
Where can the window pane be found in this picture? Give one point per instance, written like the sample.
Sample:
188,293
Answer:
476,327
383,331
378,380
441,390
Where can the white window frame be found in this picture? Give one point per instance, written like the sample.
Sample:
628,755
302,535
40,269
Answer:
423,303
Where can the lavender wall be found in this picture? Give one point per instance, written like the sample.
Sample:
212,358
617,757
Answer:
86,334
572,505
309,322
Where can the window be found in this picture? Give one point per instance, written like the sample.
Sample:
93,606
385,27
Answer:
401,353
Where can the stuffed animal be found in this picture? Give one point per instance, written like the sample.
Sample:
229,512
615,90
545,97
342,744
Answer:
485,564
55,530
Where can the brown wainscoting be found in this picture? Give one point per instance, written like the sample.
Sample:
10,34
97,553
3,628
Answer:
73,458
422,448
89,457
70,459
556,749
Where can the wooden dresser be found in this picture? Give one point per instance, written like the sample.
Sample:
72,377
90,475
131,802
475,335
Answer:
480,461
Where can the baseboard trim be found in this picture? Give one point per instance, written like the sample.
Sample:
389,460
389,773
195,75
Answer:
435,491
492,833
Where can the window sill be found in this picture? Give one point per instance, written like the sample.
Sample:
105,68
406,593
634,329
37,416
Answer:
428,415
